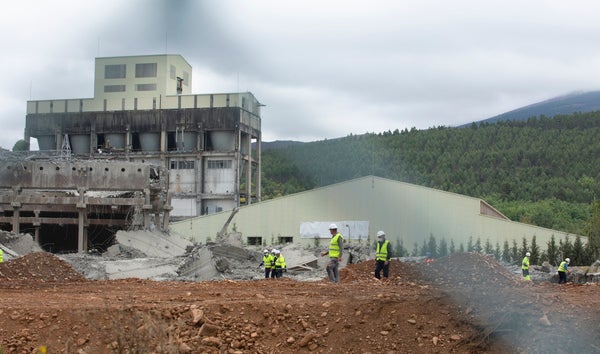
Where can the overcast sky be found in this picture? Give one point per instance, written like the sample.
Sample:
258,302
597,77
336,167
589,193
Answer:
324,69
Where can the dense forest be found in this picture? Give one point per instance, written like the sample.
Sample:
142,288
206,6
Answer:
542,171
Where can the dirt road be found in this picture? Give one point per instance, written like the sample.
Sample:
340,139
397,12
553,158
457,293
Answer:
461,304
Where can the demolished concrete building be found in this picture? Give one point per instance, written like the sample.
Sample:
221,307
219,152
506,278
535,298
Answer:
142,118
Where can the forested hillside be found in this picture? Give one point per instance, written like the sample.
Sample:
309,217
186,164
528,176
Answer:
541,171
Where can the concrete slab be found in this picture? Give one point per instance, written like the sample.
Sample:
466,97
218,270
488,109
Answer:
154,244
143,268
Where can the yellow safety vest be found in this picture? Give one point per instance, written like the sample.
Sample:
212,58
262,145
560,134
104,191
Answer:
267,261
525,263
280,262
334,247
381,254
561,267
1,256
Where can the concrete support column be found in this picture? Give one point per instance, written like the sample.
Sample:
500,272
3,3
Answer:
81,236
163,138
81,230
258,168
36,225
249,171
128,139
16,216
146,209
16,205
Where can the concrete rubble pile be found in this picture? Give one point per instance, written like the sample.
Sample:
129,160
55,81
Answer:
159,256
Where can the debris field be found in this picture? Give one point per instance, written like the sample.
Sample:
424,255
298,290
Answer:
464,303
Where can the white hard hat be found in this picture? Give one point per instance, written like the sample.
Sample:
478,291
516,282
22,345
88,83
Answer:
333,227
273,250
266,251
527,254
277,252
567,260
380,233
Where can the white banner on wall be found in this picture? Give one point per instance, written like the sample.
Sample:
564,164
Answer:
350,229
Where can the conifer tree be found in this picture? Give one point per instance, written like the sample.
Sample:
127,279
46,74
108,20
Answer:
552,251
535,251
506,252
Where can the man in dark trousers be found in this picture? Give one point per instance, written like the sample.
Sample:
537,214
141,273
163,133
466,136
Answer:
383,256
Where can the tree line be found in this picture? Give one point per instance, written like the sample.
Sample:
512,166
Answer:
579,252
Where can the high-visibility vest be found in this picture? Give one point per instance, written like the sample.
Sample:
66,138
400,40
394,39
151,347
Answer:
561,267
1,256
280,262
381,254
334,247
267,259
525,263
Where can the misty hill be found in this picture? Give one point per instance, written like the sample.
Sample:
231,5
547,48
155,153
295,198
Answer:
572,103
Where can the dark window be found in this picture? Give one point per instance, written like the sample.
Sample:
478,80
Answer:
145,70
255,241
145,87
116,71
182,165
114,88
219,164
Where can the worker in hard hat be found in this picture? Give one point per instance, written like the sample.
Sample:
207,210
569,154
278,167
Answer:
273,259
382,256
563,269
525,266
336,249
280,266
266,261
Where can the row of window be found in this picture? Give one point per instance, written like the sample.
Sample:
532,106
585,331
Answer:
121,88
212,164
119,71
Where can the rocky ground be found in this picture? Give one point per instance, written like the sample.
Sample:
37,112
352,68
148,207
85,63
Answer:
465,303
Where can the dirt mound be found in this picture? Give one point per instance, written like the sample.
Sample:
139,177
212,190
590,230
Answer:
39,267
460,304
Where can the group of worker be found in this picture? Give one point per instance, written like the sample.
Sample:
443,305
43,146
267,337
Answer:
274,263
563,269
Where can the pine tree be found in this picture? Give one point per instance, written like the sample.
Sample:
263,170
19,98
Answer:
452,247
487,247
443,248
506,252
497,252
415,251
470,244
535,251
432,247
578,255
565,248
477,248
514,252
552,252
524,248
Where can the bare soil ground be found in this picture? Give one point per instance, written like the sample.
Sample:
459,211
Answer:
464,303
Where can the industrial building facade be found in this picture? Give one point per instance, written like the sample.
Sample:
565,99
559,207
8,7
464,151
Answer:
408,213
143,111
142,114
